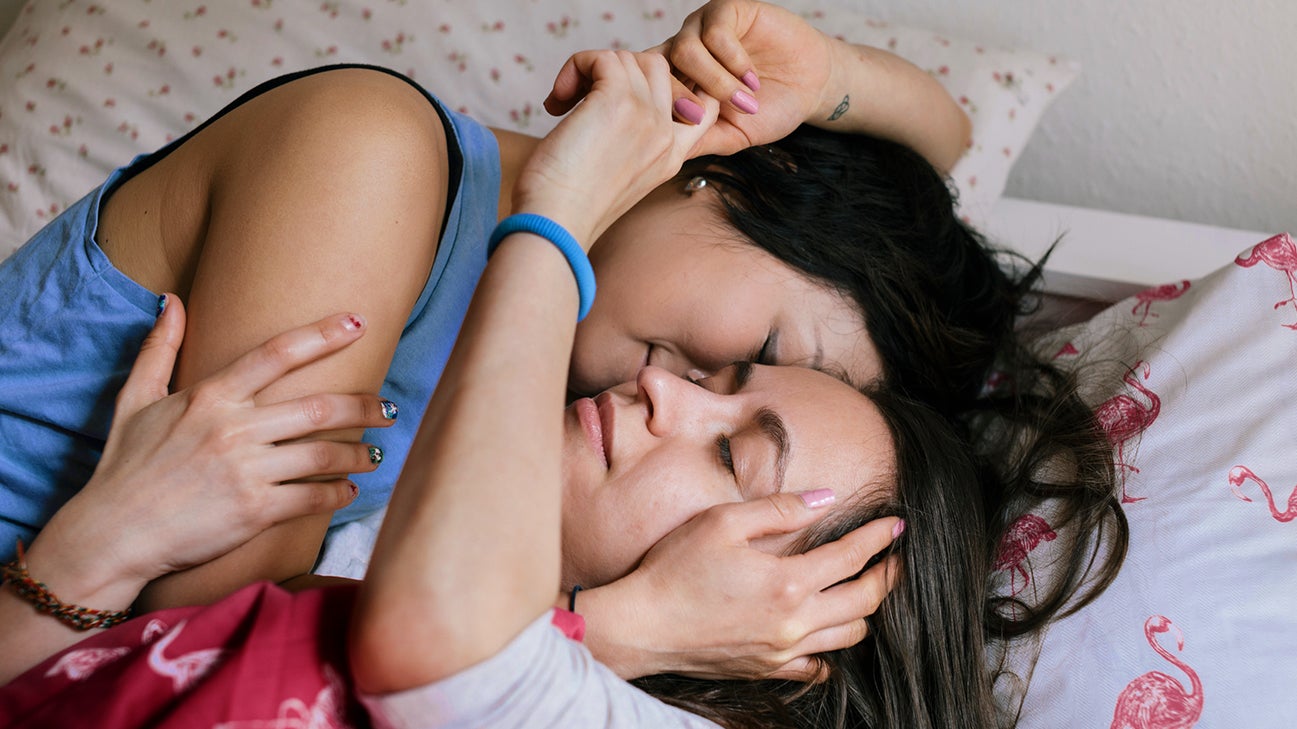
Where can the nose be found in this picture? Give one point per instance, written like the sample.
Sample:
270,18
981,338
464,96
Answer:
673,402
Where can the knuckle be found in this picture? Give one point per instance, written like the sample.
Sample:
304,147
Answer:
319,499
788,592
276,351
203,396
727,521
690,53
780,507
317,410
785,637
321,457
714,36
655,62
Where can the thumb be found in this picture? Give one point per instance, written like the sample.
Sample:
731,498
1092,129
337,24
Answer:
151,373
570,86
786,512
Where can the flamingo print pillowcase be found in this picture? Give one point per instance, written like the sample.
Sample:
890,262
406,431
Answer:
1195,383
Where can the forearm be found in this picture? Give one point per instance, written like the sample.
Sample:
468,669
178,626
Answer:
615,631
77,574
469,552
280,553
872,91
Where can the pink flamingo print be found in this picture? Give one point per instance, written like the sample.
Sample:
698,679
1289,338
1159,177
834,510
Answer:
81,663
1165,292
1239,474
1067,350
1279,253
1122,417
1024,534
327,711
1155,700
183,670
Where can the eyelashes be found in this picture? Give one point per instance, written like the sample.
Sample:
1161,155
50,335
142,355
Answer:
723,450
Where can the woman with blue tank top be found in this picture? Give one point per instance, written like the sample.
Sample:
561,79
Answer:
353,188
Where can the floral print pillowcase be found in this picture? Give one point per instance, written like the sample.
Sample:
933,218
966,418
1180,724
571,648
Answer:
88,85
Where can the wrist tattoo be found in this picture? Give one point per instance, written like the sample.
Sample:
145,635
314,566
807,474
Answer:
842,108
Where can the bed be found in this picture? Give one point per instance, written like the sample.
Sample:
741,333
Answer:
88,85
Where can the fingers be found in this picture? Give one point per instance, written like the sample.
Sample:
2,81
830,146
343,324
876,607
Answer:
807,669
841,559
575,79
856,599
570,86
286,352
318,458
151,374
775,514
291,500
708,52
319,413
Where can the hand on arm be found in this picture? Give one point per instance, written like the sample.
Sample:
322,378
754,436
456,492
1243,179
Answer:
731,49
187,477
708,603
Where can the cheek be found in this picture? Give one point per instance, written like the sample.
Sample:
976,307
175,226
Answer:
626,518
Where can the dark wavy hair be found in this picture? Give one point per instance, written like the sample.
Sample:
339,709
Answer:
922,664
874,221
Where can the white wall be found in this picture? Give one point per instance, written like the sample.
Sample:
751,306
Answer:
1184,109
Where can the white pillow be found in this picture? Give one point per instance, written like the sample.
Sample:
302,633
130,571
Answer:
88,87
1196,380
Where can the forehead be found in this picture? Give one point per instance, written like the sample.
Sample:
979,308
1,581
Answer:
837,437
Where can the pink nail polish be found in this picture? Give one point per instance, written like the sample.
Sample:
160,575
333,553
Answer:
751,81
899,529
818,498
353,322
744,101
688,110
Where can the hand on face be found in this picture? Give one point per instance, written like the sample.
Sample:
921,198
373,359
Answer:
186,477
619,143
713,605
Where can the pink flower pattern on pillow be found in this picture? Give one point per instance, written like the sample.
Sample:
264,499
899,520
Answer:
89,85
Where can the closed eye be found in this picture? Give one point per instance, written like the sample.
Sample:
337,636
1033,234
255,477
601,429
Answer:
723,448
768,354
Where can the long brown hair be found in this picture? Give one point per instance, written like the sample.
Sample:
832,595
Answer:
873,220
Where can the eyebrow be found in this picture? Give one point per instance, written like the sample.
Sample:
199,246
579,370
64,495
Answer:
769,423
772,427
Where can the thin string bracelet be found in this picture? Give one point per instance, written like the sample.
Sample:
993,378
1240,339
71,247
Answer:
35,592
571,601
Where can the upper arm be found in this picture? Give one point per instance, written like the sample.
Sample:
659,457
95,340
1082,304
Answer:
323,195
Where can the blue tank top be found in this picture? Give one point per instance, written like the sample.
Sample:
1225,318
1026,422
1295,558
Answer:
72,325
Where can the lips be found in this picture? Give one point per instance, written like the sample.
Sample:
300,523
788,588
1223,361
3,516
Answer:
588,413
603,401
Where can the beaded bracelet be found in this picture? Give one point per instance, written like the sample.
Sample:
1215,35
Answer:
563,240
35,592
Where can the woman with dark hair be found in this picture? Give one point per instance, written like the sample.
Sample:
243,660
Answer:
220,216
263,650
257,220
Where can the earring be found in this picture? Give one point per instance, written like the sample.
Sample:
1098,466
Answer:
695,184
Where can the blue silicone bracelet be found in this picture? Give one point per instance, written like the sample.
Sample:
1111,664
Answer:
562,240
